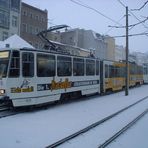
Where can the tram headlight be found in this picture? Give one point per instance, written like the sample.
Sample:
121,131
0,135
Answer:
2,91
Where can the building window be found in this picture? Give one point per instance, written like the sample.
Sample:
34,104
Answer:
42,19
5,35
4,19
14,21
30,29
24,13
15,5
36,17
36,30
31,15
4,4
24,28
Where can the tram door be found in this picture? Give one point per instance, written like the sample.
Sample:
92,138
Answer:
20,80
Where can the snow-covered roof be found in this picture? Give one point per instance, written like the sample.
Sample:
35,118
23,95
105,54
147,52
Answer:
15,42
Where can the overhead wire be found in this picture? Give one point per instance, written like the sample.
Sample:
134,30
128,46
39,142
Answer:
140,7
139,21
91,8
134,15
121,3
144,33
78,2
112,26
133,25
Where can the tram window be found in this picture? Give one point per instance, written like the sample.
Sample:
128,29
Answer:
145,70
121,72
27,64
90,67
15,65
4,60
111,71
106,71
97,67
117,71
45,65
78,67
132,69
64,66
139,70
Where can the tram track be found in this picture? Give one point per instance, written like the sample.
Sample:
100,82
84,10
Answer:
96,124
3,107
121,131
7,113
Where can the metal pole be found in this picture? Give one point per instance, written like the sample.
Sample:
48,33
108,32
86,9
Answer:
127,65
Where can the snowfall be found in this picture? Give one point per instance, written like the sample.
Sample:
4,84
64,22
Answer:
40,128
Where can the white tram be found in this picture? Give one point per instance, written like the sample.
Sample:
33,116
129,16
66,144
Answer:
33,77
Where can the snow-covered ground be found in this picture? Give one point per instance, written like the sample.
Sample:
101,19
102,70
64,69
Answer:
41,128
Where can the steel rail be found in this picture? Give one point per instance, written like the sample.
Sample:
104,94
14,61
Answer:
116,135
60,142
8,114
4,109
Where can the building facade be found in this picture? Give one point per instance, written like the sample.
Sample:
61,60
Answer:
110,54
139,57
33,20
9,18
83,39
120,53
86,39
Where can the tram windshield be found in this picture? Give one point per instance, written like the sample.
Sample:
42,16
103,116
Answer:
4,60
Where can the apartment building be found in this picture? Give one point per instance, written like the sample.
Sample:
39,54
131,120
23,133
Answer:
33,20
9,18
110,54
120,53
84,39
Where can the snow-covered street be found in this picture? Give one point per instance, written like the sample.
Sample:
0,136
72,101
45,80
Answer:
41,128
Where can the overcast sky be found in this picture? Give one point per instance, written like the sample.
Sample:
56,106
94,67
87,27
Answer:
99,15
